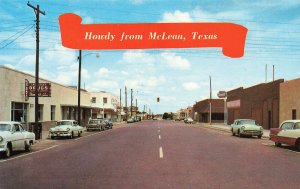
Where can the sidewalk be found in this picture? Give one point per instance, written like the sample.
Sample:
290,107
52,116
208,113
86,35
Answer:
226,128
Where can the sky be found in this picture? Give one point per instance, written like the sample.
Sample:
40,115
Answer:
179,77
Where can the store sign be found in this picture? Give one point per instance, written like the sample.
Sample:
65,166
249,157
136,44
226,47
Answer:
234,104
222,94
230,37
44,90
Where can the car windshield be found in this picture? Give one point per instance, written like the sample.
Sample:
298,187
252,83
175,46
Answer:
248,121
60,123
93,121
5,127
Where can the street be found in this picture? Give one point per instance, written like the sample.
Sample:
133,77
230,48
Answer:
153,154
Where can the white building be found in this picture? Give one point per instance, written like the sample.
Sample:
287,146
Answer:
62,104
108,102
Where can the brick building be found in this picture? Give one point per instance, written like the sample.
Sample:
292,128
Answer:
259,102
289,100
201,111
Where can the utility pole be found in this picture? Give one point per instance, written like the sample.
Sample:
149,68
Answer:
273,71
131,104
37,12
78,88
120,104
126,102
266,72
210,100
136,104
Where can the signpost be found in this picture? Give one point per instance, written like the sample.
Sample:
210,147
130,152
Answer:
44,90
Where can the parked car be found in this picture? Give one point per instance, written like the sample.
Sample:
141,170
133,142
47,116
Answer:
189,120
14,137
246,127
108,123
288,133
96,124
66,128
130,120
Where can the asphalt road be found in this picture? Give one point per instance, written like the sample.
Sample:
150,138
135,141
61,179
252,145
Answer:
153,154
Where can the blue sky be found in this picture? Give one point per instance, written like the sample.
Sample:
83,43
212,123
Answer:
178,76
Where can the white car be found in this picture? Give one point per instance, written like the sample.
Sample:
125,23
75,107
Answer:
189,120
66,128
14,137
246,127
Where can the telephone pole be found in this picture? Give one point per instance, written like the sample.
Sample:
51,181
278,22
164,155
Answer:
210,100
37,12
131,104
126,102
120,104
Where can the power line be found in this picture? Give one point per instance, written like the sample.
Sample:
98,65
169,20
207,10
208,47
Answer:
15,38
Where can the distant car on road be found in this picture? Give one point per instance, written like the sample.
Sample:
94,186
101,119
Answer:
96,124
288,133
14,137
130,120
66,128
108,123
246,127
189,120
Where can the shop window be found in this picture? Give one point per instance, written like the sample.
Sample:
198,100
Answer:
52,113
40,112
294,114
93,99
19,112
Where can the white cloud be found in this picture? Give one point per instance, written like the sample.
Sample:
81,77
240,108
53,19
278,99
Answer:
132,84
103,85
137,57
190,86
103,72
87,20
137,2
176,16
59,55
155,81
175,62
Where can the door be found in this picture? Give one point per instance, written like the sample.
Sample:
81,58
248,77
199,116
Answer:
17,138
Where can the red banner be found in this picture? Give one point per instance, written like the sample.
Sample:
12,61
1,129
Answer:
230,37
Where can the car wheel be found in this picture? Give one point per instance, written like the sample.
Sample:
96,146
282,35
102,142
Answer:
8,152
297,146
27,147
239,134
277,144
72,135
259,136
233,133
52,137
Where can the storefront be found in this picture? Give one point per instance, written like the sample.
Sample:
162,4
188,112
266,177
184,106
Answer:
17,106
201,111
259,102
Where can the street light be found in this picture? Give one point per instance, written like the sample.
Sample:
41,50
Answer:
79,82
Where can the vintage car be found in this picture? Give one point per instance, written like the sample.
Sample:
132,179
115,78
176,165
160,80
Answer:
96,124
130,120
288,133
189,120
14,137
246,127
66,128
108,123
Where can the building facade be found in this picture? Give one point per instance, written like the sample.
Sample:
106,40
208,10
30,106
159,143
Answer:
201,111
259,102
289,100
62,104
105,105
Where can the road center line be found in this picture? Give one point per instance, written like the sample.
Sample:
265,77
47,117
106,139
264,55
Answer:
161,154
159,137
158,130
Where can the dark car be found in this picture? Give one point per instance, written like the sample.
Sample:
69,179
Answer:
108,123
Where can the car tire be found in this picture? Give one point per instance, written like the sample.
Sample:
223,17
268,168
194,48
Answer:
297,145
259,136
277,144
52,137
27,147
239,134
233,133
72,135
7,153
